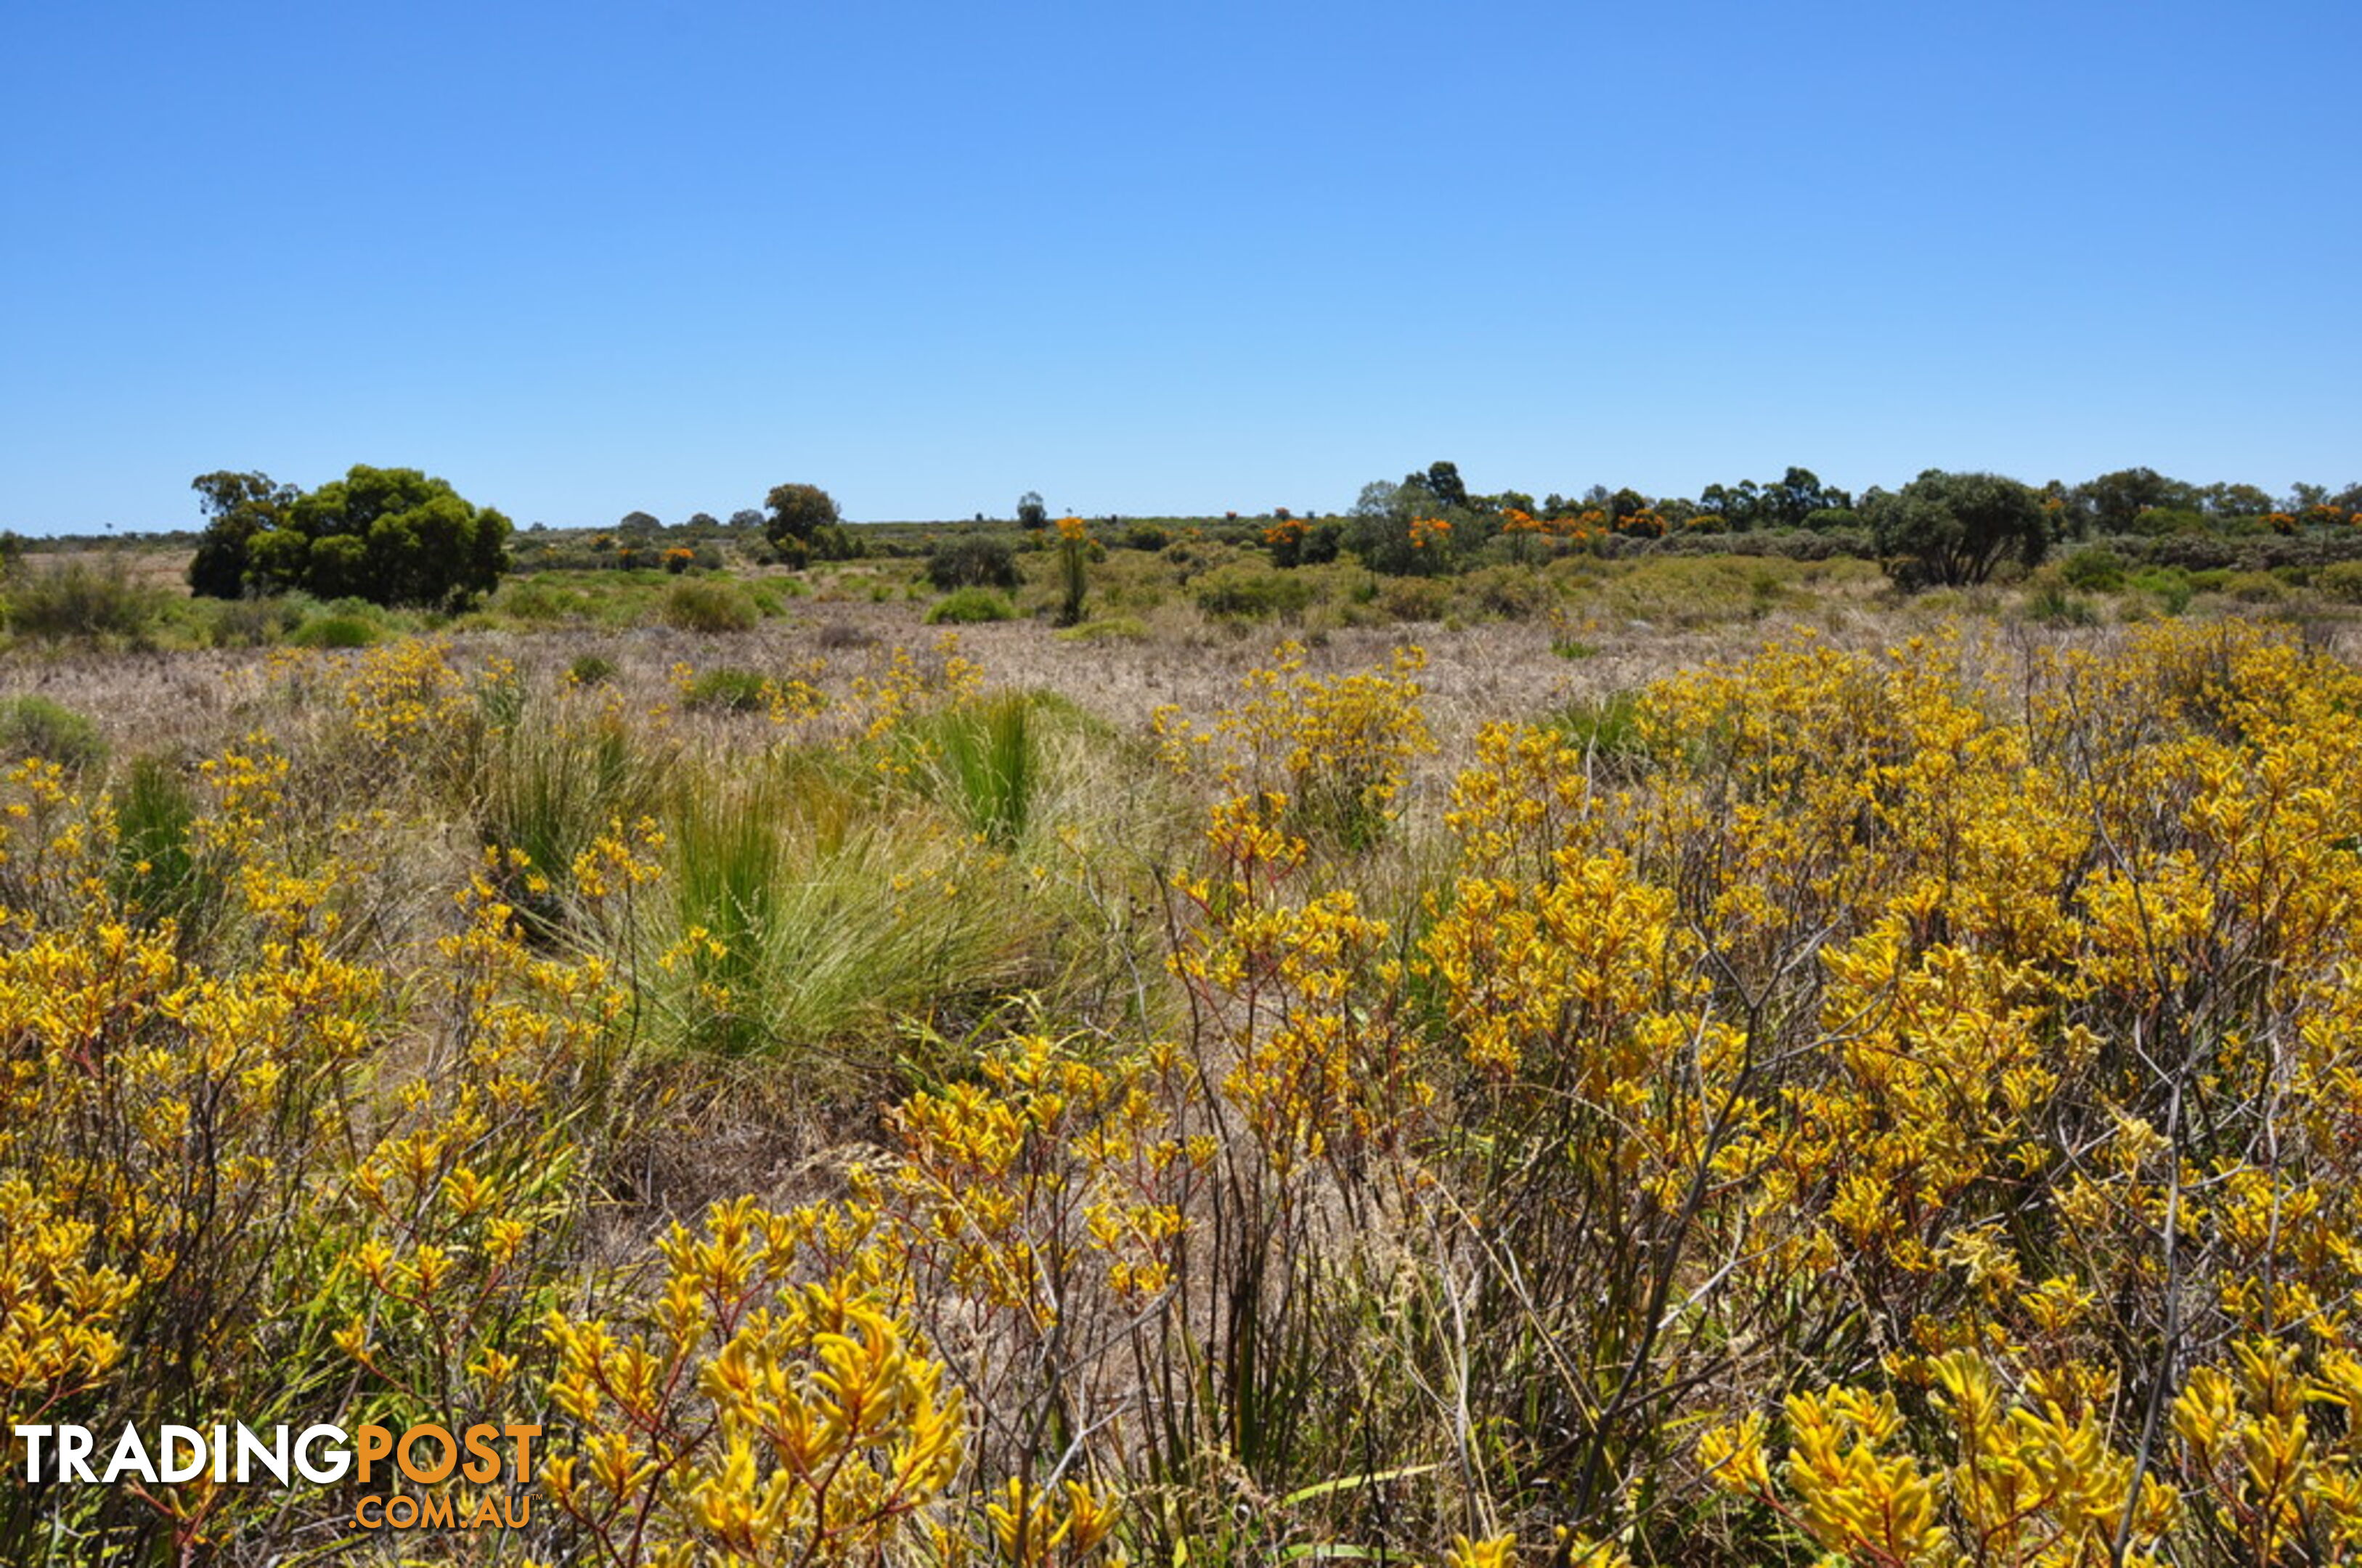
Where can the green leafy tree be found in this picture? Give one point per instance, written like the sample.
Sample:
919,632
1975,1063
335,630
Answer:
803,525
1377,529
1954,529
1031,511
239,506
419,542
1740,506
2114,500
2235,500
1798,494
392,535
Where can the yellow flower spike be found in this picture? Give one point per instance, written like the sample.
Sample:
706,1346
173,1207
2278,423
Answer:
1733,1458
1496,1551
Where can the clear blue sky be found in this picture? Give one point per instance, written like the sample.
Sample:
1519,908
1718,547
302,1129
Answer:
584,259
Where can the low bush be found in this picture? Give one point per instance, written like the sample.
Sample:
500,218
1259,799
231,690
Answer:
727,689
709,604
2095,568
1511,593
2341,582
82,600
252,623
1416,598
1686,591
1243,594
336,631
2172,586
2052,605
36,726
972,561
967,606
537,602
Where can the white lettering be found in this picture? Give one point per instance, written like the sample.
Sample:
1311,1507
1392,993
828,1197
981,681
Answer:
32,1436
340,1456
130,1457
171,1437
74,1444
273,1456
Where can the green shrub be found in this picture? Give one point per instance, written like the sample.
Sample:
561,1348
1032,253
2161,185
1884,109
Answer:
252,623
2256,588
771,595
972,561
709,604
79,599
590,670
336,631
1416,599
2341,581
1514,593
2052,605
1242,592
35,726
2096,568
534,601
731,691
2158,521
1698,590
2172,585
967,606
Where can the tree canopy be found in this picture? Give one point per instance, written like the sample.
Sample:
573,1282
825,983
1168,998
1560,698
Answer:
392,536
1953,528
239,506
803,525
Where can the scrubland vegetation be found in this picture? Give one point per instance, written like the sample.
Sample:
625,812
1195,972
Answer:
1584,1058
